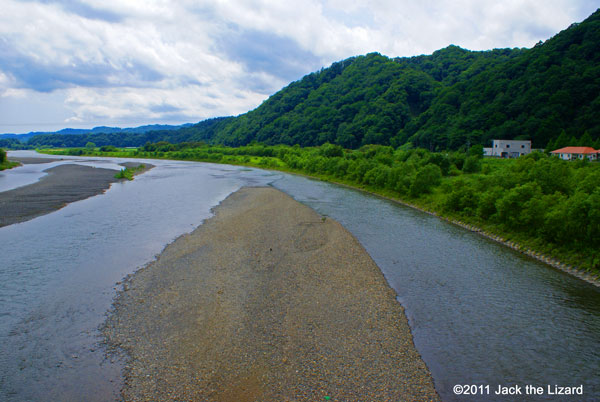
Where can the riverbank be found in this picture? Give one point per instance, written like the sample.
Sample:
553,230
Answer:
553,262
578,262
8,165
265,301
62,185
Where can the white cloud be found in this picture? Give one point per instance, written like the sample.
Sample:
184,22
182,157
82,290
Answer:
142,61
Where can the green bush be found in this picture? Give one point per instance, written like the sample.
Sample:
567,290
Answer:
472,165
427,177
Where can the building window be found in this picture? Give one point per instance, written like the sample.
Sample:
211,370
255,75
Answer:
507,145
522,146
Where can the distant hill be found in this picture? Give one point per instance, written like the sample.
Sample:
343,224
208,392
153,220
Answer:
446,100
95,130
129,137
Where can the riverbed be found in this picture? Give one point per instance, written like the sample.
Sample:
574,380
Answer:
479,312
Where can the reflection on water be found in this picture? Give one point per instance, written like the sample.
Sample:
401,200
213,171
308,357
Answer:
480,313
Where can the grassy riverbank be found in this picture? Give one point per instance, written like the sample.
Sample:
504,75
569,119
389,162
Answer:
130,171
8,165
542,204
5,163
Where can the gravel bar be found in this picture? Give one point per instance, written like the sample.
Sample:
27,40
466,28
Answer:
265,301
62,185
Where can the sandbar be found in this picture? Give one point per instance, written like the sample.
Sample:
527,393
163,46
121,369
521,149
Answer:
62,185
265,301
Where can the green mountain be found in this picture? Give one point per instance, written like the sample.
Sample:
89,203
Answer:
440,101
447,100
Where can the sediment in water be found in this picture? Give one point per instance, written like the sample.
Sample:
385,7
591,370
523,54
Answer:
267,300
62,185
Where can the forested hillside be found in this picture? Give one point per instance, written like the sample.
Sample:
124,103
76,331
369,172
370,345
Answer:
202,131
447,100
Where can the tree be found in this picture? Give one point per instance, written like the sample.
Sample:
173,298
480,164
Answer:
562,141
427,177
472,165
476,150
90,145
2,155
586,140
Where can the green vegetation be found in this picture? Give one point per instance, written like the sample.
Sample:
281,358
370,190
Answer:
11,143
373,122
129,172
541,202
5,163
451,99
198,132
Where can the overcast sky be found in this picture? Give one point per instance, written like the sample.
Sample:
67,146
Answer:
85,63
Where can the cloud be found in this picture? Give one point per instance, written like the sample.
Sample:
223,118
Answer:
174,61
260,51
84,10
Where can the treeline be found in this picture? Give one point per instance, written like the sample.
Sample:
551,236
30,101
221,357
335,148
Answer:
451,99
543,202
441,101
10,143
21,141
198,132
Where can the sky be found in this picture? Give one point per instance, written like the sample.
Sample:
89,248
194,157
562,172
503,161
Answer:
87,63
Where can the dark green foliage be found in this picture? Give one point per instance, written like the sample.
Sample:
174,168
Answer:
463,198
476,150
11,143
2,155
451,99
108,148
331,151
548,202
427,177
195,133
472,164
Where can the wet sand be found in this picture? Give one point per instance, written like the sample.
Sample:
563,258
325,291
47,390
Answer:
266,301
62,185
28,160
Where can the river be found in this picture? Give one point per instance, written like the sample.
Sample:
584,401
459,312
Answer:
481,314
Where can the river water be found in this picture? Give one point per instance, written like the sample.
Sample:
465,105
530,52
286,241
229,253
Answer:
480,313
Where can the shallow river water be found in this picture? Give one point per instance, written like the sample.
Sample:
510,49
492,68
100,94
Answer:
480,313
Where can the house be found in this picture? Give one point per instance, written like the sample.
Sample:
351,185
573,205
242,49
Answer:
510,148
573,153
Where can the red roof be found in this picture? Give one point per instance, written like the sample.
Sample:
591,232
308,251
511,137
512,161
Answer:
575,150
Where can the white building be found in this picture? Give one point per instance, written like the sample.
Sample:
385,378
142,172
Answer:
510,148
